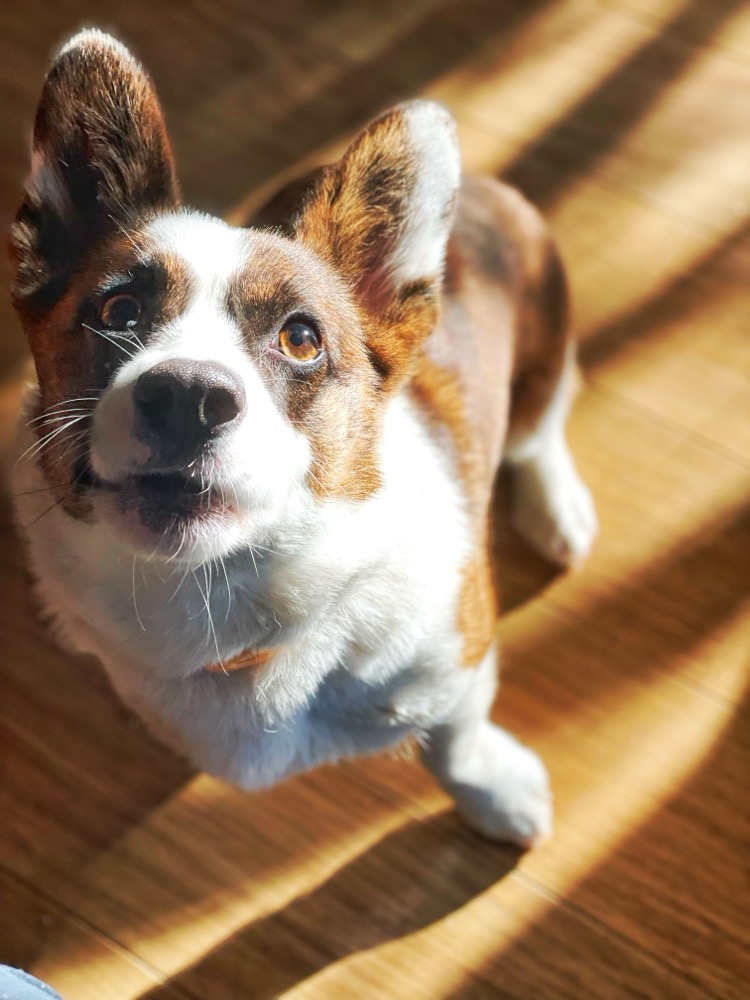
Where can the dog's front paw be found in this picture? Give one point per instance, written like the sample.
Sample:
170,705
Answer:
502,790
554,512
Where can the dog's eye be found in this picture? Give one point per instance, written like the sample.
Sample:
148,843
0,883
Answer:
120,312
299,341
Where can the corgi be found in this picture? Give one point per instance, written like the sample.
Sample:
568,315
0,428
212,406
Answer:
255,471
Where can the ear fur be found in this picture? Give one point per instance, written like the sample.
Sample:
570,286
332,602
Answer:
382,216
101,159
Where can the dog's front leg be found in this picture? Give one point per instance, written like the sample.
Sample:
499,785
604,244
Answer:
500,786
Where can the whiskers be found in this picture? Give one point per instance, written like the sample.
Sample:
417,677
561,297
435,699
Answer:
206,596
61,409
217,581
56,503
135,601
52,424
116,339
223,565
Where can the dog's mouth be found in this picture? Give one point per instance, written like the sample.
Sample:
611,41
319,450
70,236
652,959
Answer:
162,501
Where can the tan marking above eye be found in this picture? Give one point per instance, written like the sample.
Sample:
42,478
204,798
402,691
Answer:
299,341
120,312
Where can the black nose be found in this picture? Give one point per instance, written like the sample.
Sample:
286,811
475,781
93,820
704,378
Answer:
183,403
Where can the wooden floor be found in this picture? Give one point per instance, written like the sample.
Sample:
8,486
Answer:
122,873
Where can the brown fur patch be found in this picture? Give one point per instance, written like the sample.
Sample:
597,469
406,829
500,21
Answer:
352,215
477,611
283,208
106,162
73,363
104,167
335,402
543,340
439,394
494,360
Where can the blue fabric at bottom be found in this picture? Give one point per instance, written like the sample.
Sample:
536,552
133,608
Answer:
18,985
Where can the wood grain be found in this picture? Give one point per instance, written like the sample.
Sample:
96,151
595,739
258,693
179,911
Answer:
122,873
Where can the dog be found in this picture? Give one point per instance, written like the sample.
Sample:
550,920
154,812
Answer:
256,469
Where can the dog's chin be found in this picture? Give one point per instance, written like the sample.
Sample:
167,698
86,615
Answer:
167,517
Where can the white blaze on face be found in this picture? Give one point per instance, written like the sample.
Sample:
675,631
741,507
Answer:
262,461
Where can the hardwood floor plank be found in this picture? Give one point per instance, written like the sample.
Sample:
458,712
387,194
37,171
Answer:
356,30
31,923
662,356
207,862
413,917
668,577
640,125
520,87
622,252
696,25
646,802
589,91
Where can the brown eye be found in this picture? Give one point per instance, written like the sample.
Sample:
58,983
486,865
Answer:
299,341
120,313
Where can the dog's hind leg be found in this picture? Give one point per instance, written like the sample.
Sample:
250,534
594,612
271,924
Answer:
551,507
499,786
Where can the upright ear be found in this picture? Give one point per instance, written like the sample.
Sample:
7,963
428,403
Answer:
101,159
381,217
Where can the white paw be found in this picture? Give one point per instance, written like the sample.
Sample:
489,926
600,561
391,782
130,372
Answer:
503,790
553,511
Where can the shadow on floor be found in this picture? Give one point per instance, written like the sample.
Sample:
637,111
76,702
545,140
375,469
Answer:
409,880
578,141
672,890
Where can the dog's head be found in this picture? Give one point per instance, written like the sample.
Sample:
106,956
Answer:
200,385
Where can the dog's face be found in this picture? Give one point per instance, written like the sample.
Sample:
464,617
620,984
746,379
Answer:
202,386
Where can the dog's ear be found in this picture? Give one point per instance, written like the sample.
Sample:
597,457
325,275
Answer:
101,159
382,215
